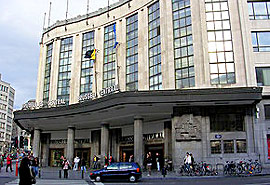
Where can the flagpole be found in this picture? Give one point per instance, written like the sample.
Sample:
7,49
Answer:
44,20
87,11
108,15
49,17
66,16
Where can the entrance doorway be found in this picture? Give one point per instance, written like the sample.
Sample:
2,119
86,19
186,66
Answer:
83,153
55,157
154,149
126,152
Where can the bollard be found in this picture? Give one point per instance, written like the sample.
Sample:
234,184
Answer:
59,174
16,169
39,175
82,174
164,172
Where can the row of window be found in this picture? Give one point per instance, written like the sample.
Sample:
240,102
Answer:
228,146
3,88
2,125
3,97
2,115
3,106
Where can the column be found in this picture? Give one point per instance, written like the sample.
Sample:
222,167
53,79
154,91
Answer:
138,140
45,150
70,143
250,132
104,141
36,143
167,140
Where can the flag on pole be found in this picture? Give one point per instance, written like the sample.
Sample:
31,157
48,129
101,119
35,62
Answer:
114,31
90,54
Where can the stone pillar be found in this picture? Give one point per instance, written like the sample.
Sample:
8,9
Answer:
250,132
104,141
70,143
174,152
45,150
138,140
167,140
36,143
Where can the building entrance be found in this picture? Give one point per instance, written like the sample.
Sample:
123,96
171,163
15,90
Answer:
155,149
126,152
55,157
83,153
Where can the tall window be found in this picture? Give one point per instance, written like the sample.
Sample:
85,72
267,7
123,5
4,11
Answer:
109,57
226,122
132,53
65,69
261,41
183,45
263,76
47,77
87,64
155,76
259,9
220,45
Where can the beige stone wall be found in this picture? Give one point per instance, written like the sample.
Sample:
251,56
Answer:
241,26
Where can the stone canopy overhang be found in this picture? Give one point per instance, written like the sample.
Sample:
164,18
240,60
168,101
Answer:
119,109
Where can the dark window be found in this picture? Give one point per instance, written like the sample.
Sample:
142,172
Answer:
215,147
132,53
46,89
267,111
261,41
226,122
113,166
241,146
259,9
263,76
228,146
125,166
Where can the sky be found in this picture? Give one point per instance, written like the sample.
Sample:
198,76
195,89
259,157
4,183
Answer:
21,26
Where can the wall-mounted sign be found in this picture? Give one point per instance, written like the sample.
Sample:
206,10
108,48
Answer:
88,96
109,90
146,137
218,136
64,141
31,105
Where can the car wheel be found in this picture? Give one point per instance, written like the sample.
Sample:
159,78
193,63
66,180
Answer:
132,178
98,178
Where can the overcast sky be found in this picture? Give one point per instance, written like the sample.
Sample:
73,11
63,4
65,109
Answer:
21,25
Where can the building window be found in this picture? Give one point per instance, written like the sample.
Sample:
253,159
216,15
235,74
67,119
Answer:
183,44
220,46
3,97
10,102
215,147
87,64
65,69
241,146
46,89
267,111
3,107
263,76
155,76
132,53
228,146
226,122
259,9
261,41
109,57
2,116
3,88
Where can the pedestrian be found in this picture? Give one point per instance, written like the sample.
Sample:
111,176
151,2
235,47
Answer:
35,166
187,161
106,161
1,161
76,163
9,163
26,178
111,159
66,167
131,159
95,160
192,161
158,161
83,165
149,161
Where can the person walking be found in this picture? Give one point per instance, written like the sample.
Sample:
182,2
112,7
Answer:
83,165
9,163
76,163
26,178
111,159
95,160
35,166
131,158
149,162
1,161
66,167
158,161
187,161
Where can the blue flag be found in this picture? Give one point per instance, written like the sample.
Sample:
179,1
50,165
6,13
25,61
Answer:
114,31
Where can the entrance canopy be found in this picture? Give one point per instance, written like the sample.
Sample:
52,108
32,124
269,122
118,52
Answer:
120,108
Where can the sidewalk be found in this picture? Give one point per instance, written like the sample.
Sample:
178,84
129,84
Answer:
50,181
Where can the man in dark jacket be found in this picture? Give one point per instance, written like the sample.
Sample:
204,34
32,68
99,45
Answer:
26,177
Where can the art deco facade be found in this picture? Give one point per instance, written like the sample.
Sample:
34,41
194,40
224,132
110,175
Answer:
6,114
185,76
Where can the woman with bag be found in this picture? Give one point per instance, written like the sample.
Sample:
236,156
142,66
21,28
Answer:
66,167
26,177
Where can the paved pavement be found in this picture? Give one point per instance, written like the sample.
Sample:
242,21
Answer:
53,182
